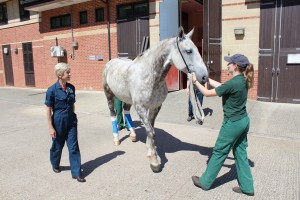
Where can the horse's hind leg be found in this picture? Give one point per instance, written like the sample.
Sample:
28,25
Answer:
155,162
110,101
128,119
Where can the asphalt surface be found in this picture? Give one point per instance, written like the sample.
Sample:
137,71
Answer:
123,172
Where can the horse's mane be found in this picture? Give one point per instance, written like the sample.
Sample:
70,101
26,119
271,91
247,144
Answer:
161,43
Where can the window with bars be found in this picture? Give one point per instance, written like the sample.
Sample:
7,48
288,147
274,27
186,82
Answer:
132,10
83,17
24,14
99,15
3,14
60,21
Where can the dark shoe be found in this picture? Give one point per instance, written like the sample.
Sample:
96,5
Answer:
120,128
199,122
197,183
127,129
79,179
238,190
56,169
189,118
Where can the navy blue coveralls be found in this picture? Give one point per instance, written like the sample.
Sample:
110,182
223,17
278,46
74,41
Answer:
64,121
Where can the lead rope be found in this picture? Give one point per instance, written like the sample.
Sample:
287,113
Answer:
197,108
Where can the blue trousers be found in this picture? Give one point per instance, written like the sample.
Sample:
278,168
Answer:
68,135
200,98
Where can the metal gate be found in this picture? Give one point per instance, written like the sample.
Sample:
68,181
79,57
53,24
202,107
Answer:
132,36
212,39
9,75
28,64
279,51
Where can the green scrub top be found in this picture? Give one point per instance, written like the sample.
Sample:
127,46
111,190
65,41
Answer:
234,95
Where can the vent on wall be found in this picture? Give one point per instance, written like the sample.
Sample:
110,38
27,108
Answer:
57,51
5,51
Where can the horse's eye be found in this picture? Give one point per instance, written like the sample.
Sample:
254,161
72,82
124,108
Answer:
189,51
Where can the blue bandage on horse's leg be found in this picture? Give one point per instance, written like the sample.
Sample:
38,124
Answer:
128,119
114,126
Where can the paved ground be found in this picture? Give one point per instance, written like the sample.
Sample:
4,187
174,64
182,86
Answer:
123,172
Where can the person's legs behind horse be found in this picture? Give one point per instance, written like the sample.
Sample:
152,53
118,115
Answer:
118,105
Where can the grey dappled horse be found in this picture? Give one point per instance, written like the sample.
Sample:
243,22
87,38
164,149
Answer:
141,83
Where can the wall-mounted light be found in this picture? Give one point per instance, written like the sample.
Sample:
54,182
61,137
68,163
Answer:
16,50
239,31
74,44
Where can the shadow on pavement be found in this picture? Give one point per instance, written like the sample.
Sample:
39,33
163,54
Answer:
166,143
91,165
229,176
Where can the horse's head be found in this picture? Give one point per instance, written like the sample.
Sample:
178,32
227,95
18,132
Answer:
187,58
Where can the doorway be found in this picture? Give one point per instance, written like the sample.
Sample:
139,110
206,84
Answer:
9,75
28,64
132,29
279,52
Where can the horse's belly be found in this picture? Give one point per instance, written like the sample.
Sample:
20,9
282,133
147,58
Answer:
151,98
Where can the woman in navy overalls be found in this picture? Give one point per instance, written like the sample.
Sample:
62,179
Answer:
62,121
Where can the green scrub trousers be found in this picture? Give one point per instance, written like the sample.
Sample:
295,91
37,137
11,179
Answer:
118,104
233,135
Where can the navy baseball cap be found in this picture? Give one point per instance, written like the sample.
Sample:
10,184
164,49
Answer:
238,59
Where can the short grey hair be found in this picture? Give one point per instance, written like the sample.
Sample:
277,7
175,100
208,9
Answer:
61,68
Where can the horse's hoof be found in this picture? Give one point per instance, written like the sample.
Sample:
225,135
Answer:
117,143
133,138
155,169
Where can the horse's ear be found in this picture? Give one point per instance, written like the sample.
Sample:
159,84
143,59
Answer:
180,32
190,33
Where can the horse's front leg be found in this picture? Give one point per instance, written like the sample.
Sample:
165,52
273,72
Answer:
129,122
155,162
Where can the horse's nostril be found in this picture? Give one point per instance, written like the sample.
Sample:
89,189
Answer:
204,78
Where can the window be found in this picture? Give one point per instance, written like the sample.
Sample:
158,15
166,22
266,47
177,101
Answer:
133,10
141,9
99,15
83,17
125,12
3,13
60,21
24,14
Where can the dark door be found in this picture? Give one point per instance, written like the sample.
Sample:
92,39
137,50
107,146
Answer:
279,51
28,64
212,39
132,29
9,75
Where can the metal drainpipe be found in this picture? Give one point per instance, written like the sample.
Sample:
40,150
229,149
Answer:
108,28
72,28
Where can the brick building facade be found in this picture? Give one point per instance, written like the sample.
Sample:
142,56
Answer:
92,49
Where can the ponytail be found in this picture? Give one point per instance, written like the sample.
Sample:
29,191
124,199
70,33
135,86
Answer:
249,74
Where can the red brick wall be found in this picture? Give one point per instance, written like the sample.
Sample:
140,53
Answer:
252,93
86,74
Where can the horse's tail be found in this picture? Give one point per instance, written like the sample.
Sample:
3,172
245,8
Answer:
104,75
